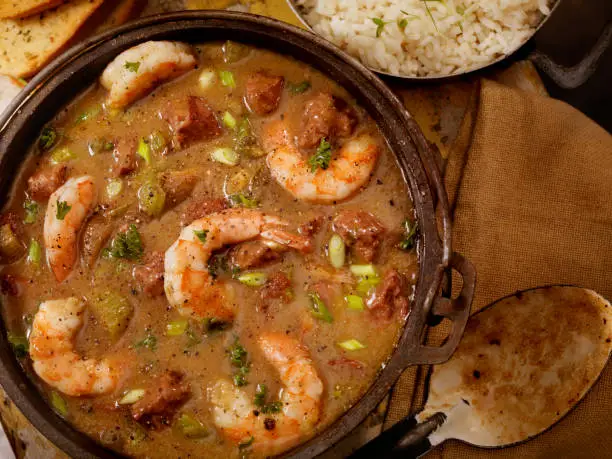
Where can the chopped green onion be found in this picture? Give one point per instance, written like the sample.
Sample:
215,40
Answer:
365,284
114,187
351,345
151,199
20,345
430,15
363,270
255,279
299,88
132,396
176,327
62,210
354,302
144,151
62,155
157,142
206,79
229,120
410,230
227,78
319,310
59,404
34,252
225,156
336,251
234,52
191,427
31,211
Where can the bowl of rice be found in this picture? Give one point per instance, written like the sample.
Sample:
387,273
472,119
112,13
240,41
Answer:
425,38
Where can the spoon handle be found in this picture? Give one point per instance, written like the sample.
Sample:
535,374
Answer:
406,439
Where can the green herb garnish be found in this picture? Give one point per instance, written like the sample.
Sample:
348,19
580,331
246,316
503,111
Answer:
429,13
238,358
410,230
272,407
201,235
319,310
48,138
149,341
227,78
127,245
380,25
241,200
31,211
299,88
322,157
260,395
403,22
20,345
62,209
132,66
246,443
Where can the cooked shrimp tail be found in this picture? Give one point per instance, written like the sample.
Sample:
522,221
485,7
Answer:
190,287
301,400
67,210
53,354
347,172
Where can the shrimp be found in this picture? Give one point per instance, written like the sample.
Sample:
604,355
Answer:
138,70
189,285
346,173
53,356
233,411
75,198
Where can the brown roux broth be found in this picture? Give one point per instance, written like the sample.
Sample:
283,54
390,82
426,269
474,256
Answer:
386,197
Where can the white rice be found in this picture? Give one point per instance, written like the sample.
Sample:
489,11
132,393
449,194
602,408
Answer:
440,37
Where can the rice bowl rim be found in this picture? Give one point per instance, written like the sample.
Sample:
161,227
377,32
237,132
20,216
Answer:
438,76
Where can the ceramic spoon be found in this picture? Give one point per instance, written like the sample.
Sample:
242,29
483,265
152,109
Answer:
523,363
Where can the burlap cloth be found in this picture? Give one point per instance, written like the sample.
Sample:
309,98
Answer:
530,184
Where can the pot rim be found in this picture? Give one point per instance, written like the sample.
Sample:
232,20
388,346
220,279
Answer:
419,171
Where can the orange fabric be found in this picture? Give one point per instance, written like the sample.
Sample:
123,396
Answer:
530,184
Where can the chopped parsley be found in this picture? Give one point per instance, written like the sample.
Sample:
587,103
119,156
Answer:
260,395
380,25
48,138
272,407
239,359
217,263
246,443
201,235
31,211
299,88
322,157
132,66
410,231
127,245
242,200
149,341
62,209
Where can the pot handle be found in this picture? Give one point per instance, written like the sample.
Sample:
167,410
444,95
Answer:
456,310
404,440
576,75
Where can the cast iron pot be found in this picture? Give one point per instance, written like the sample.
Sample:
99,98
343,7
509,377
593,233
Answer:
79,67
